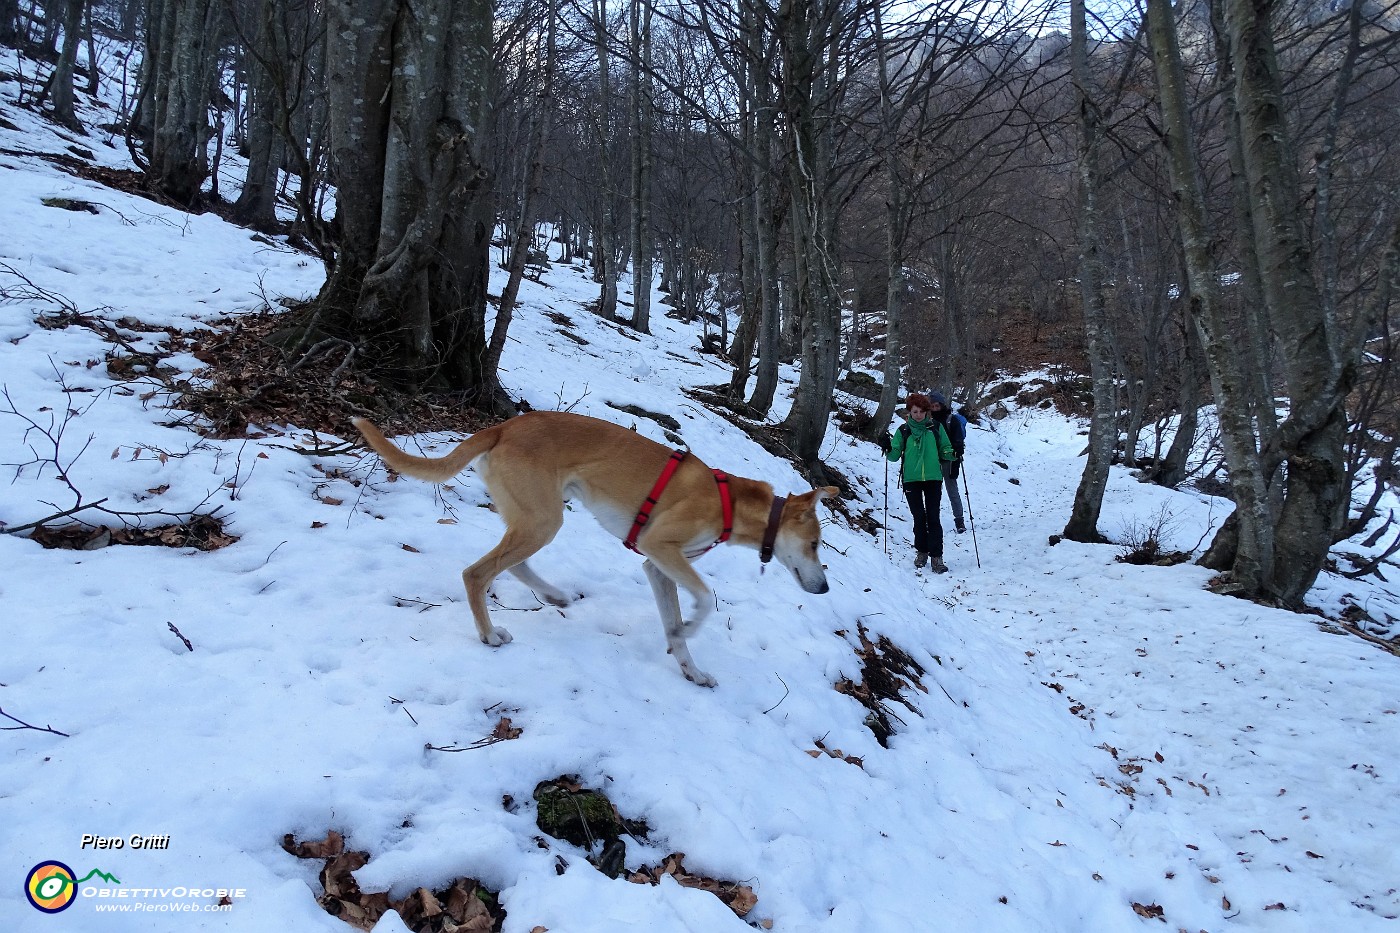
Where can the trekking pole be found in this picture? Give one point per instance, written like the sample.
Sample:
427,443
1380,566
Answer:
971,522
885,525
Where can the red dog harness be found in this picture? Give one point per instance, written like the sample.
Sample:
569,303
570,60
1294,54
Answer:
669,470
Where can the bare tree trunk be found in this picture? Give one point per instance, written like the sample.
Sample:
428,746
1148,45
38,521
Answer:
1170,471
1257,347
767,223
897,214
1253,561
1319,356
750,306
94,73
896,286
770,310
605,221
182,51
1374,390
285,51
943,364
804,32
640,111
408,92
61,81
9,23
257,203
1088,498
529,199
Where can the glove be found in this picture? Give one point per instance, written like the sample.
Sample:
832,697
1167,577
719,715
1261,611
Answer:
951,468
884,441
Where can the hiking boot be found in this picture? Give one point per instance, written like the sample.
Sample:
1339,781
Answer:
920,558
958,522
936,565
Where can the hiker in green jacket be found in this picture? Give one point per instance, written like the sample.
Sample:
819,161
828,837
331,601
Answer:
922,446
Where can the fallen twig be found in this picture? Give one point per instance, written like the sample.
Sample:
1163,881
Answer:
44,521
180,635
786,691
25,725
1390,646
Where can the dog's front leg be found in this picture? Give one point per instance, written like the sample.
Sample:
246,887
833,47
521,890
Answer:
668,605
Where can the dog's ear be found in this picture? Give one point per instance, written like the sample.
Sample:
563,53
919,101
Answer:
807,501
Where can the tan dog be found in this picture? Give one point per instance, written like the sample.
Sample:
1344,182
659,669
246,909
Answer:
533,462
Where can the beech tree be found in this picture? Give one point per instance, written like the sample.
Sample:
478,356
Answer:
606,246
407,87
1103,425
1247,479
61,82
640,117
1290,479
171,128
809,34
9,22
543,49
257,202
1318,352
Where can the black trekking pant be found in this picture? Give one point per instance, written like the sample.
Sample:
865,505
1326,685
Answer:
925,498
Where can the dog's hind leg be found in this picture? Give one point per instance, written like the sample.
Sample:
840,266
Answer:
668,604
526,532
542,588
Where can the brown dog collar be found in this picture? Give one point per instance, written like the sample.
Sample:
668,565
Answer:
770,533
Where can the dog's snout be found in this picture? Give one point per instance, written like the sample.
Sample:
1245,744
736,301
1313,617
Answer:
824,587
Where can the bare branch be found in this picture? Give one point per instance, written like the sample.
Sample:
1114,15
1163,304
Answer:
25,725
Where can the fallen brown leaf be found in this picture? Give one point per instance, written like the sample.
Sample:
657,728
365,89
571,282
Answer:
331,846
504,730
1149,911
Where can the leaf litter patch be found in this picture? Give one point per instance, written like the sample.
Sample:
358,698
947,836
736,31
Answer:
886,672
201,532
464,906
568,811
280,367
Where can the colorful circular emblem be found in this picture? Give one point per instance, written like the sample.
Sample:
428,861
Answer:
50,886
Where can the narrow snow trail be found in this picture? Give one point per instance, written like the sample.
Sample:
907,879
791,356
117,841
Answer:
1233,728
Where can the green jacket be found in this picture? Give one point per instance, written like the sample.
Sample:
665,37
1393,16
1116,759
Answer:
927,446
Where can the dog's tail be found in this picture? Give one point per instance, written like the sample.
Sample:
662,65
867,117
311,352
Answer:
433,469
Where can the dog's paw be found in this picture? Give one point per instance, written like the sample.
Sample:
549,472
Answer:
697,676
557,598
498,637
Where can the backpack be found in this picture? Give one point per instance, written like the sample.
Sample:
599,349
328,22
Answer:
957,431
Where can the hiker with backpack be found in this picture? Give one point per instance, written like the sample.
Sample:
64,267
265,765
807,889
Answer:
956,425
921,446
